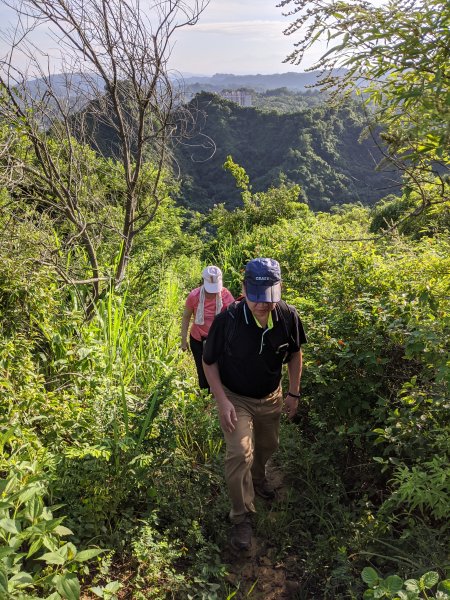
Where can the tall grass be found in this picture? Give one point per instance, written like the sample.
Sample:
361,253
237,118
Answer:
137,354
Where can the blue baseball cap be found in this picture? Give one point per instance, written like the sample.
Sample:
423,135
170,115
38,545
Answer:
262,280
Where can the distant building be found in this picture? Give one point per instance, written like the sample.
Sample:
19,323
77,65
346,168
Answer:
240,97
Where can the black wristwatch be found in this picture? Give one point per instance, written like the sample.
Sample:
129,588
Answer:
293,395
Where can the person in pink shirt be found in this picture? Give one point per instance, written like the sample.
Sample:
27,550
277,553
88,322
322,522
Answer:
203,303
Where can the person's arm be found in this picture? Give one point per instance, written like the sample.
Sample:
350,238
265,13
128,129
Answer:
186,319
227,414
295,373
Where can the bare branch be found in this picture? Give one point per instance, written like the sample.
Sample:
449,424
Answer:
109,75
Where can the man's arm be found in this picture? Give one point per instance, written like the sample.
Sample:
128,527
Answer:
295,373
186,319
227,414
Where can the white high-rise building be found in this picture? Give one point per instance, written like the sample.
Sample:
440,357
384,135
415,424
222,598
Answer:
240,97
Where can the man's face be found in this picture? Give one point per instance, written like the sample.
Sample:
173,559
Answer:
260,309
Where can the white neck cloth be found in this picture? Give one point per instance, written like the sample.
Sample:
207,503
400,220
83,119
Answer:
200,314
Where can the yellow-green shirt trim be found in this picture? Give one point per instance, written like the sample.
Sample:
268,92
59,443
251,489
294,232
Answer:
269,322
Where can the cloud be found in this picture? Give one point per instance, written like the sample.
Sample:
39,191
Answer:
239,28
236,10
239,47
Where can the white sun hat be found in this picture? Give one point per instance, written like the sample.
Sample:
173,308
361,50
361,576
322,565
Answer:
212,279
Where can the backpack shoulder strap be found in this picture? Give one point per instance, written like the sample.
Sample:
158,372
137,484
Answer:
286,316
232,312
286,313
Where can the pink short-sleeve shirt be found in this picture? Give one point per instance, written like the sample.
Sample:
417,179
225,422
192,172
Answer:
199,331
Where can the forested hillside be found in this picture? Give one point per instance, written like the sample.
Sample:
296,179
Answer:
282,100
318,148
111,457
290,137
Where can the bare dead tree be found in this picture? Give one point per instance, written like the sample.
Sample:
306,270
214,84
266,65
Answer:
110,70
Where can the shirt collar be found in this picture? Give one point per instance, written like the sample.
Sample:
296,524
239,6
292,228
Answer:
269,321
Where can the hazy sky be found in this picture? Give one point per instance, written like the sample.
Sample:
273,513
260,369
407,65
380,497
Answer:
236,36
232,36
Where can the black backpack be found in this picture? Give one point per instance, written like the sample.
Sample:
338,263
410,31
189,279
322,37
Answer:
235,309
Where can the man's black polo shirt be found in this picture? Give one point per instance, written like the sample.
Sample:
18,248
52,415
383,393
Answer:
250,363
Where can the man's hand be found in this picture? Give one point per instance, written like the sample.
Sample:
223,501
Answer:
290,406
227,415
184,346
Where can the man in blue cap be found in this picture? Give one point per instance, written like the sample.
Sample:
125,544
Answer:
243,357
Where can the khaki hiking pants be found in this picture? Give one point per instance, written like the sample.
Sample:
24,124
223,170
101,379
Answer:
249,447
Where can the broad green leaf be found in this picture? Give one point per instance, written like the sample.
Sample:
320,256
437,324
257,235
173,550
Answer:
393,583
3,583
50,542
5,437
5,551
45,525
10,525
26,533
29,493
428,580
98,591
52,558
68,550
51,524
409,595
68,586
10,484
33,508
370,576
113,586
54,596
35,546
412,585
444,586
17,557
88,554
21,579
62,530
15,542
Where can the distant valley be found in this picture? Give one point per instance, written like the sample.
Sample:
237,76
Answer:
305,142
284,132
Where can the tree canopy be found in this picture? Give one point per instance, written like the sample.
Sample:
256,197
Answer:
397,56
317,148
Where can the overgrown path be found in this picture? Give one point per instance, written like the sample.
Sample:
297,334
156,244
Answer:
258,573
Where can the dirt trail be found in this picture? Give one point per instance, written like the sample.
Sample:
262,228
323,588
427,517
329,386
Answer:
257,570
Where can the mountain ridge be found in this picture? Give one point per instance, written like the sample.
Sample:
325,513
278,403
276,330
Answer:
291,80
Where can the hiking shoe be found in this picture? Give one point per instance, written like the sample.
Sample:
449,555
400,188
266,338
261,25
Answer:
241,535
263,490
